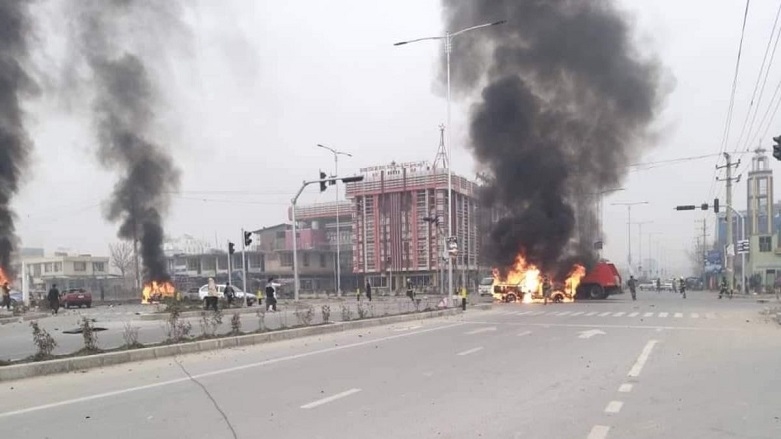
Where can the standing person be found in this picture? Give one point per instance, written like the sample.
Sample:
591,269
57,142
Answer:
410,291
54,299
463,298
546,289
7,296
633,287
230,294
368,291
658,285
211,295
683,287
271,301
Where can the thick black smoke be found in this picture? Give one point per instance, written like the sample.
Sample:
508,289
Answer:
564,101
15,144
123,112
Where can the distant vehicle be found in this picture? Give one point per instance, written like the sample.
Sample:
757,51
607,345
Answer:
484,288
694,283
240,295
16,297
600,282
647,286
75,297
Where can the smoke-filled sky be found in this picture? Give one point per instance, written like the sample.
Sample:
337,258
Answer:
256,85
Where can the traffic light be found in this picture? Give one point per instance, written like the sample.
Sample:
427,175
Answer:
231,250
323,186
715,205
247,239
777,147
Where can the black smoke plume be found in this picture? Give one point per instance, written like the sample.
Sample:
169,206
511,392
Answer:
123,113
564,100
15,145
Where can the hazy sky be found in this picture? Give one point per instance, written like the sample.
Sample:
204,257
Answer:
255,85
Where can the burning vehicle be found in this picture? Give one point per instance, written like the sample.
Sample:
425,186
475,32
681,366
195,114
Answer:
155,292
526,283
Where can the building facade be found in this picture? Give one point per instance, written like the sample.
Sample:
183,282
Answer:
764,258
79,271
393,241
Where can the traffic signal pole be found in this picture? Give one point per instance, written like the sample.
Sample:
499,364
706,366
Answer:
730,240
244,263
322,181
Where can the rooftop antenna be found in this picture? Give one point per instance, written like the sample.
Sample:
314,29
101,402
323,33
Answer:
441,151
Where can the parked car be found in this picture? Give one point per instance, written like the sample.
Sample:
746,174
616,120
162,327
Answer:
240,295
16,297
76,297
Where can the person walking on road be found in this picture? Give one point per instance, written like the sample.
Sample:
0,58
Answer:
682,284
463,294
546,288
230,293
633,287
368,291
6,296
54,299
271,295
211,295
410,291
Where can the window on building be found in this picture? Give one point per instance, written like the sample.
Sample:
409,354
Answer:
37,270
47,268
762,187
281,235
765,244
322,260
98,267
192,264
286,259
58,267
306,259
79,266
208,263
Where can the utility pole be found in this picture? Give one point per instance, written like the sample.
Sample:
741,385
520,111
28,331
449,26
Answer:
702,248
629,228
728,167
640,244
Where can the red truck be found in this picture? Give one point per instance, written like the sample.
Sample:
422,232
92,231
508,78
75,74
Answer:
601,281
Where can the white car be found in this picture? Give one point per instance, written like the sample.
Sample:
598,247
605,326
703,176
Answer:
241,295
485,288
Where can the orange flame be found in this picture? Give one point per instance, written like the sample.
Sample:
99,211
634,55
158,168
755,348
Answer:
155,291
528,279
4,278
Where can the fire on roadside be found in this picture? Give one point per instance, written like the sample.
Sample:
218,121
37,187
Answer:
527,281
156,291
3,277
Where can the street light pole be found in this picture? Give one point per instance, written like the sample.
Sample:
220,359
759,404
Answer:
742,254
336,154
629,228
640,243
448,38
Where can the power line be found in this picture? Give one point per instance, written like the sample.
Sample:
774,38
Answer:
731,106
759,77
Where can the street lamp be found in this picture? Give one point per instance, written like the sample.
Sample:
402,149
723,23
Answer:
448,38
629,228
336,154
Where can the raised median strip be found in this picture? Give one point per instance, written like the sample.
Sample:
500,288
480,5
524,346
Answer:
62,365
23,318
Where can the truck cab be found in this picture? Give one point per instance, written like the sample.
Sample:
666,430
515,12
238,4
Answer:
485,287
601,281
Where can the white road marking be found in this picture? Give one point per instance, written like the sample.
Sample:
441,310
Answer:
638,366
614,407
480,330
524,313
678,315
584,325
470,351
695,315
563,313
605,314
592,313
320,402
625,388
648,314
228,370
524,333
408,328
539,313
634,314
576,313
590,333
619,314
598,432
663,314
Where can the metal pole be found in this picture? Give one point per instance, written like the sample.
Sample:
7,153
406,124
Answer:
730,243
448,49
230,264
244,266
338,259
629,235
295,251
25,289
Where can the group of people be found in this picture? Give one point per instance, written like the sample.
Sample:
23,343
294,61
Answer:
678,285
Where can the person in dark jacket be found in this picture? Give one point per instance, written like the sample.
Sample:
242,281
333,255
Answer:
54,299
368,291
271,299
230,293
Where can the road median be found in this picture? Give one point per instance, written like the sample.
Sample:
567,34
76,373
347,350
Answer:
62,365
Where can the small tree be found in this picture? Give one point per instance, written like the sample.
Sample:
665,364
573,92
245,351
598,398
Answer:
130,334
326,311
305,314
123,258
44,342
235,323
177,328
261,314
89,335
347,313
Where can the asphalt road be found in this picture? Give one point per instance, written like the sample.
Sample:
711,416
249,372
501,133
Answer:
16,340
661,367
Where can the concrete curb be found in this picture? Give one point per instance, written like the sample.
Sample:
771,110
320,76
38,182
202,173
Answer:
191,314
23,318
28,370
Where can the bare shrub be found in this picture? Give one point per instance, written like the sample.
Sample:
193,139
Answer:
130,334
176,327
326,311
363,311
89,335
305,314
236,324
44,342
261,314
347,313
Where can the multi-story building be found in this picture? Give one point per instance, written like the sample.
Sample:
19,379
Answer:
765,247
79,271
392,241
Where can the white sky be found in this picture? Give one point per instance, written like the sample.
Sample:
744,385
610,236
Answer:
263,82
